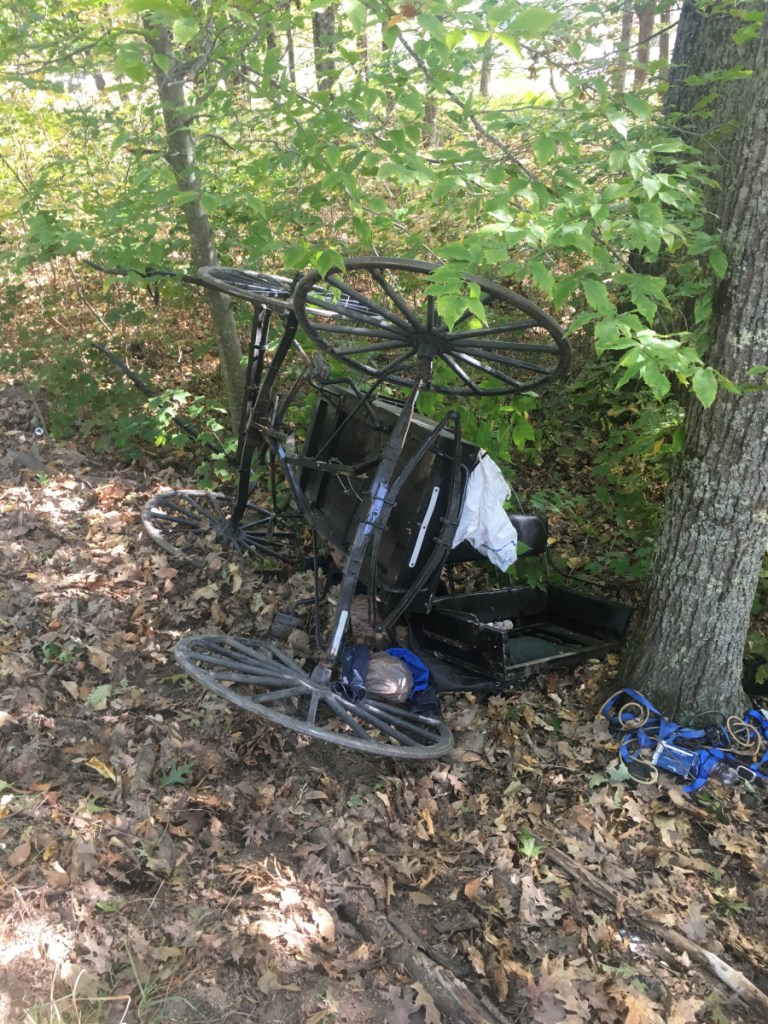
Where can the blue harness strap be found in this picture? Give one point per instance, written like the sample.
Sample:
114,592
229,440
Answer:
691,753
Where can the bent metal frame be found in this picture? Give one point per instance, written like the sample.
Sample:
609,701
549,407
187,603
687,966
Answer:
377,322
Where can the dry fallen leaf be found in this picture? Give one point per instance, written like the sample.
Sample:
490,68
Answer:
20,854
324,923
103,769
423,998
472,888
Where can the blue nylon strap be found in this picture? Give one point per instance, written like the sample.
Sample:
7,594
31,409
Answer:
682,751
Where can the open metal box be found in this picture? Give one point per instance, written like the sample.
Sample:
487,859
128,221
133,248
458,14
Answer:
504,634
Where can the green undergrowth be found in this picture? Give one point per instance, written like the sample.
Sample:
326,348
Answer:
590,457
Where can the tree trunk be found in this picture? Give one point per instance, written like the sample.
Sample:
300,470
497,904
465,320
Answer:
181,158
709,112
627,20
664,45
291,54
646,13
323,31
687,643
485,70
363,68
429,131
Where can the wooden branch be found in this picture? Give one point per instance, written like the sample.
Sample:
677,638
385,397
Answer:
451,996
735,980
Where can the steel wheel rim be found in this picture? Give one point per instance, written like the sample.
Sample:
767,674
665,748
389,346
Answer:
282,693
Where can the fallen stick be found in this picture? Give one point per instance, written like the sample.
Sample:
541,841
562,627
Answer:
450,995
735,980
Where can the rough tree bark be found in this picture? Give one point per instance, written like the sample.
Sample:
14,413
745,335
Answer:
687,643
627,20
646,13
323,31
485,69
181,158
709,112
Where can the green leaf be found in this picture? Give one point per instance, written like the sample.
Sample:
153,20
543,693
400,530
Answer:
454,251
432,25
613,774
718,261
177,775
533,22
655,380
107,907
618,120
528,845
184,30
702,308
522,433
167,9
451,308
357,14
704,385
210,202
597,296
543,277
97,698
128,64
544,148
324,262
185,197
162,62
640,108
510,42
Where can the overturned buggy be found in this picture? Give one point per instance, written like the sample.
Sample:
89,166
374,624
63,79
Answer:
384,487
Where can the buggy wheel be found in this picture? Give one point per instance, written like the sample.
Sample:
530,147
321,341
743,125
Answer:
380,318
188,523
256,676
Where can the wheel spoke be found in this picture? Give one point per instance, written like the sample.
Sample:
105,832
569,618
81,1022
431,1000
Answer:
489,330
449,361
488,371
383,723
257,677
349,719
364,332
397,298
285,694
381,346
502,360
179,520
367,302
518,335
500,345
387,372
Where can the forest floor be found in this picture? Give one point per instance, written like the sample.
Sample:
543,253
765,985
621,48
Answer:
165,857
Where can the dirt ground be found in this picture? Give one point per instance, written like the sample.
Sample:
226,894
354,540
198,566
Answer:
165,857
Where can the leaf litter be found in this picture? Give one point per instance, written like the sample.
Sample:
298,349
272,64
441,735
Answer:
164,857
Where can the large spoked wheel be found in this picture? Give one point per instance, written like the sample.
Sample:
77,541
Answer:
379,319
188,523
256,676
260,289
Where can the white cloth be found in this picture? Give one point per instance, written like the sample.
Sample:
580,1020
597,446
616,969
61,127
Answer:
483,521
